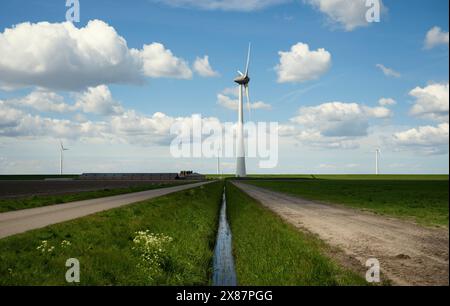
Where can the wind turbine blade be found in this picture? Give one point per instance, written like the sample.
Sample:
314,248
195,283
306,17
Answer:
248,59
240,73
249,106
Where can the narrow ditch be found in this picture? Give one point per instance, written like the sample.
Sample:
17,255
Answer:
224,273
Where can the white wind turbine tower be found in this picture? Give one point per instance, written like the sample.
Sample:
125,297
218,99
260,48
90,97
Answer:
377,161
61,156
218,162
243,80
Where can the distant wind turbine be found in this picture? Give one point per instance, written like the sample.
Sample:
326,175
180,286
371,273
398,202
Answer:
218,162
377,161
61,156
243,80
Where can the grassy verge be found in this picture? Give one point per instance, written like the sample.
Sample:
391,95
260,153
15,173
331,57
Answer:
103,243
13,204
424,201
269,251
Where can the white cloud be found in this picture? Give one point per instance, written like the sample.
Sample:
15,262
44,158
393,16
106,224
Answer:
432,102
334,125
8,115
230,103
436,37
379,112
430,139
387,102
203,67
260,105
349,14
98,100
43,101
61,56
315,138
94,100
336,166
231,91
27,125
160,62
225,5
125,127
388,71
300,64
338,119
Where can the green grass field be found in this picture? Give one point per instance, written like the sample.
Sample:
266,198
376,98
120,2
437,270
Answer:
269,251
103,243
13,204
423,199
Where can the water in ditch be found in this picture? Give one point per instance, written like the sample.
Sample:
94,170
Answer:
224,273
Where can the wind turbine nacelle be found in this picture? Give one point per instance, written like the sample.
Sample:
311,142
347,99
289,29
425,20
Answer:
242,80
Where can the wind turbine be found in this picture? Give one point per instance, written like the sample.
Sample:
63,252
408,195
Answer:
377,161
243,81
218,162
61,153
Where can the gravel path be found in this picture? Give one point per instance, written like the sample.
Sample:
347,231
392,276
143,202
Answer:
409,254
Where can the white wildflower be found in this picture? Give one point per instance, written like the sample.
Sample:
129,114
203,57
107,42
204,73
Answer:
151,249
65,243
45,247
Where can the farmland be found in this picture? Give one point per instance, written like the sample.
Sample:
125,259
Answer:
24,194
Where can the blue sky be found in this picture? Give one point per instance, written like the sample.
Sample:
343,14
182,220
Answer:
413,135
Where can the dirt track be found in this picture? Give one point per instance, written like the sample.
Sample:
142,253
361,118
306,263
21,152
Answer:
408,253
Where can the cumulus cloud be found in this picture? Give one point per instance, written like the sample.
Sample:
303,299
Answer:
431,102
436,37
127,127
94,100
350,14
338,119
228,99
430,139
388,71
43,101
160,62
387,102
203,67
225,5
334,125
301,64
8,115
315,138
98,100
63,57
26,125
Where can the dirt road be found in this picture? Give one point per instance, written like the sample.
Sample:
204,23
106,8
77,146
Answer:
16,222
408,253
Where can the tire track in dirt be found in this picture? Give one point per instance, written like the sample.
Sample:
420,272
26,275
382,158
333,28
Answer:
409,254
